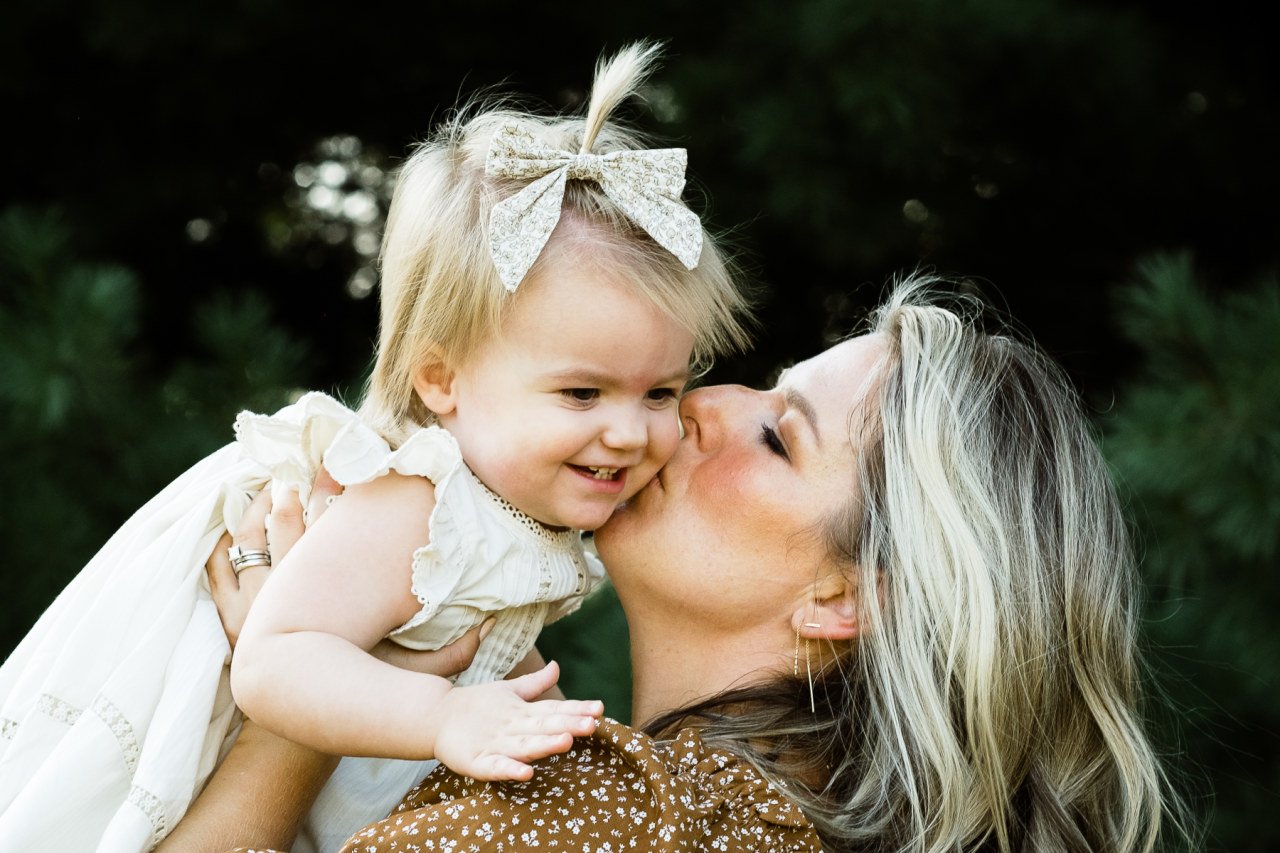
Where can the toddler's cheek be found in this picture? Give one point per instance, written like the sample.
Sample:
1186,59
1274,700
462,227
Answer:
663,441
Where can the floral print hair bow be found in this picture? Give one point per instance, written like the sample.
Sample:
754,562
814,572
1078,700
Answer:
646,184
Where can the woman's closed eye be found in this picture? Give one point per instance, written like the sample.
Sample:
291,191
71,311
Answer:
769,437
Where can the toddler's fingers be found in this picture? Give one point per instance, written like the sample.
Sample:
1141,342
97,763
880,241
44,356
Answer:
575,724
495,768
533,747
531,686
573,707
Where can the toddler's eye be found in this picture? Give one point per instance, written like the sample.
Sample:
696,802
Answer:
769,437
581,395
662,395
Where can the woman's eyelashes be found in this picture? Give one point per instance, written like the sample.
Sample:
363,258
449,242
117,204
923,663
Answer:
769,437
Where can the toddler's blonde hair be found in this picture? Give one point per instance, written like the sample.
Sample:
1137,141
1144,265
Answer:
441,294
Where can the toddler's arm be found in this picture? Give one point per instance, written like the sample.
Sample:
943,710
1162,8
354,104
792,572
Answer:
301,667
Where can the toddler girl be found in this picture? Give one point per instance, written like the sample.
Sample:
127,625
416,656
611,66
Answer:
545,295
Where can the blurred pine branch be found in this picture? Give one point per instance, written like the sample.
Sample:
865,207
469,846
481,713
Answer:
90,424
1195,441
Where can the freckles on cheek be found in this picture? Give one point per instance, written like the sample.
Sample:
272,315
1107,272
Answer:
724,494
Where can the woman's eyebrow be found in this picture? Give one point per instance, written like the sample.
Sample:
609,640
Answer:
801,404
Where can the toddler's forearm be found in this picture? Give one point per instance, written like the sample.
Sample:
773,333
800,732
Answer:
323,692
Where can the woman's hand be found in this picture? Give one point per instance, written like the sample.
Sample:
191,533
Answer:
277,528
263,527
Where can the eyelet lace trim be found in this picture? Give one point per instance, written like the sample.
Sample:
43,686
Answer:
121,728
558,538
8,728
56,709
102,708
149,804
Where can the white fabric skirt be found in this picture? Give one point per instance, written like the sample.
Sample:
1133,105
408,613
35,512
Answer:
116,706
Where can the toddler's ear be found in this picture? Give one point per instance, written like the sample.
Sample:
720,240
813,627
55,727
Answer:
435,385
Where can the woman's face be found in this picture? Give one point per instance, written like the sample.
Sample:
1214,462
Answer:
731,528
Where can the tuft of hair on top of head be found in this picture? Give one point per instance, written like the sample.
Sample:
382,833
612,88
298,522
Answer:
441,295
617,79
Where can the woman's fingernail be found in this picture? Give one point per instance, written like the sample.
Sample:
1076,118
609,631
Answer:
487,625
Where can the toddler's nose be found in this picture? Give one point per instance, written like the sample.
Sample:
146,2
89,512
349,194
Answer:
627,431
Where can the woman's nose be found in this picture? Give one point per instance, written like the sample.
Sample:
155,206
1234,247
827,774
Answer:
703,411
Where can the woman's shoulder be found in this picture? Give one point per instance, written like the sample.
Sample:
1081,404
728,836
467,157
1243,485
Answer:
614,787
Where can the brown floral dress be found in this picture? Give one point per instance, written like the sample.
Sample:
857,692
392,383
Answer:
616,791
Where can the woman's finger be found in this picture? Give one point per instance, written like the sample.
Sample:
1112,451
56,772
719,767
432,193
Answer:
283,525
219,568
323,492
233,591
447,661
251,533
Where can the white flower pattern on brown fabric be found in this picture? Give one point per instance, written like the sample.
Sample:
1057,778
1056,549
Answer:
619,790
646,184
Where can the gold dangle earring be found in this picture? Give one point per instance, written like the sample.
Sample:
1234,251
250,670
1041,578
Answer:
795,657
808,664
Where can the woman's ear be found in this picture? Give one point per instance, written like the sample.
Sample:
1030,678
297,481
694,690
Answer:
832,611
436,384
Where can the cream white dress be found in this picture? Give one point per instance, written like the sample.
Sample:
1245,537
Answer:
116,707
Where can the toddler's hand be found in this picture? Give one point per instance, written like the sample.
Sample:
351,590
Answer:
491,731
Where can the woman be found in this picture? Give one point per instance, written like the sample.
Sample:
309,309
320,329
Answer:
895,592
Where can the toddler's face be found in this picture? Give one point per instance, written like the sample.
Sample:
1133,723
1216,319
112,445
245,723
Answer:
573,408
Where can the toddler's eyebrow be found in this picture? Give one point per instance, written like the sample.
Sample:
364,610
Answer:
587,377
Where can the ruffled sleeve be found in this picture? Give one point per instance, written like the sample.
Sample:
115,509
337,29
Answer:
293,443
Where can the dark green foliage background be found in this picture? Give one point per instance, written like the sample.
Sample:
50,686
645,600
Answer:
1102,171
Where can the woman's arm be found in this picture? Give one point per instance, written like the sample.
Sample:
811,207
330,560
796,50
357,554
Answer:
258,796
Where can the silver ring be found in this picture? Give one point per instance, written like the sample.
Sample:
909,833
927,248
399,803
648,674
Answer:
249,562
242,559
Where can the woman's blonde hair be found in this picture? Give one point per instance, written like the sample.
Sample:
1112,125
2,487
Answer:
441,297
991,700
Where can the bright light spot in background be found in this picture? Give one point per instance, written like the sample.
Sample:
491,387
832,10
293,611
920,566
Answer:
198,230
361,207
323,198
662,100
986,189
332,174
341,197
915,211
361,283
304,174
1197,103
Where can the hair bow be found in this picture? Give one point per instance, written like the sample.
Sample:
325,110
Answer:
646,184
